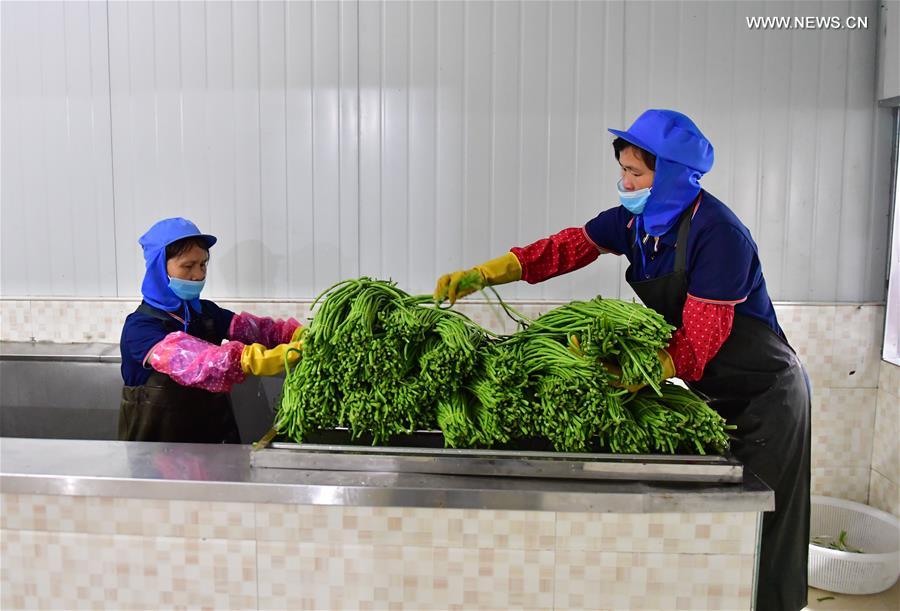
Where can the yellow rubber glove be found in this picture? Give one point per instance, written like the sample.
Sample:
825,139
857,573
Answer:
668,371
456,285
258,360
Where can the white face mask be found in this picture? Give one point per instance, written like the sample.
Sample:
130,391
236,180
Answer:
634,201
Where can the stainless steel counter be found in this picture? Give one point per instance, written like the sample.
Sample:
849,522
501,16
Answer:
223,473
93,352
72,391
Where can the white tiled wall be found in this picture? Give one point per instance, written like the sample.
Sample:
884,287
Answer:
839,344
884,484
77,552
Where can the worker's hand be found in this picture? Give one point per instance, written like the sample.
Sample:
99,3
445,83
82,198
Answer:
616,377
458,284
668,365
668,371
269,332
258,360
191,361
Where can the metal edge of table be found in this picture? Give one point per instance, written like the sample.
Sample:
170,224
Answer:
222,473
501,463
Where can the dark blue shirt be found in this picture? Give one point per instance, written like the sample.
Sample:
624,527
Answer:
722,263
143,331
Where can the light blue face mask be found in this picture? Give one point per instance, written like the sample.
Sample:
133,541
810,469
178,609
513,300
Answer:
186,289
634,201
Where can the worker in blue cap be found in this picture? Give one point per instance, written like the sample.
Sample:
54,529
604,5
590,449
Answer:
176,369
692,260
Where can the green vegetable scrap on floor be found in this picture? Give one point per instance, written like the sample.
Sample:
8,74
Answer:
381,363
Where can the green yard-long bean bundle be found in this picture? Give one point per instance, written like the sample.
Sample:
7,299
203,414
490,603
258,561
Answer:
380,363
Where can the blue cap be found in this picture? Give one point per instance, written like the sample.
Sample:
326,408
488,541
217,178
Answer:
171,230
671,136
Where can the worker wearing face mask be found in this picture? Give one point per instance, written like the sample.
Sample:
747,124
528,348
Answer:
693,261
177,371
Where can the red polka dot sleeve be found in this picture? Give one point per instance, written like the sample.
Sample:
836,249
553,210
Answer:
705,327
564,252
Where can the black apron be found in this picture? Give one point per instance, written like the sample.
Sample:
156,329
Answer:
757,383
163,410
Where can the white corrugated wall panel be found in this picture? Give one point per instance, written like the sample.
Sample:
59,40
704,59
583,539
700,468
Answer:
57,199
422,134
325,140
242,117
524,92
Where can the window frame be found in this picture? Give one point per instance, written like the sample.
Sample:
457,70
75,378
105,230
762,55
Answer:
891,344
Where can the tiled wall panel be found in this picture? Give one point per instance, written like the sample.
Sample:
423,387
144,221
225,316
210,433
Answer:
124,516
407,526
851,483
315,576
15,321
843,427
624,580
665,533
884,493
858,336
884,483
76,552
61,570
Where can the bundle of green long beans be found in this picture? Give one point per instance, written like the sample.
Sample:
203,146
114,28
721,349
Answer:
376,361
381,363
610,331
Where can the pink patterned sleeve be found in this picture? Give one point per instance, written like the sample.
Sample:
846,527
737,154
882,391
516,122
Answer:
191,361
269,332
704,328
566,251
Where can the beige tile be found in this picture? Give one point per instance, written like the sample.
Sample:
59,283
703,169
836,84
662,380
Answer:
314,576
810,330
66,321
406,526
884,494
43,570
886,445
123,516
674,533
889,379
858,335
15,320
843,421
851,483
622,580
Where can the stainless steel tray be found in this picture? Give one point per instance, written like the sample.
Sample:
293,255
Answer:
499,463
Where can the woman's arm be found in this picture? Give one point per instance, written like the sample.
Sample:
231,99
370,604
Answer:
269,332
563,252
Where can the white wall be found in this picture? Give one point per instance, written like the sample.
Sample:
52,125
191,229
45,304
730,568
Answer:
323,141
